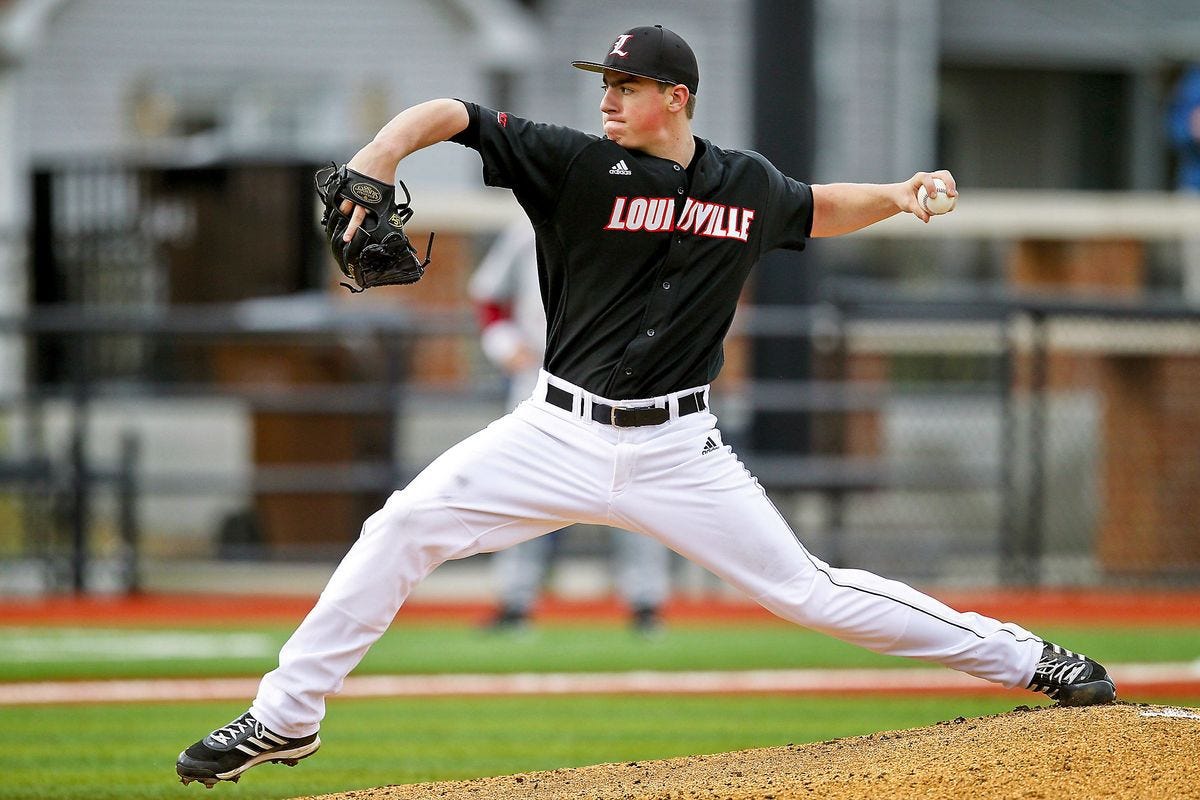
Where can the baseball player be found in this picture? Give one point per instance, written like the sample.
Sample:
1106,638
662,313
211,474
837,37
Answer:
645,236
506,292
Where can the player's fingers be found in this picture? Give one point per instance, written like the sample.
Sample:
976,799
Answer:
919,180
926,181
356,219
948,179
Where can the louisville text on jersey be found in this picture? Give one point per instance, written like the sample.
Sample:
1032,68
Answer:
654,214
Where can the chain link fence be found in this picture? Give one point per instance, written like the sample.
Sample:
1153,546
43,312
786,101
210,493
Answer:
151,421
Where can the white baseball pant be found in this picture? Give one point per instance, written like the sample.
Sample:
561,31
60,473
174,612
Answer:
641,566
541,468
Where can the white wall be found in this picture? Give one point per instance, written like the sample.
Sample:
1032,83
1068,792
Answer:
76,89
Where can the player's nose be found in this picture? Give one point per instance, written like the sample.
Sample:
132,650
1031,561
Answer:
608,104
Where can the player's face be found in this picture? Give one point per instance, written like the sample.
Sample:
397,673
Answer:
633,110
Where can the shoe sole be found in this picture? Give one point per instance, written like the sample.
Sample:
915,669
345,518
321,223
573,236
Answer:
1088,694
288,758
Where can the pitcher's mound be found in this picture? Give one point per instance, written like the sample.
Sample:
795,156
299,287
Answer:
1116,751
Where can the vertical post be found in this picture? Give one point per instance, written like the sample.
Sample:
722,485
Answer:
1035,522
127,511
80,471
836,495
312,253
1023,525
47,352
42,350
784,131
1007,380
396,347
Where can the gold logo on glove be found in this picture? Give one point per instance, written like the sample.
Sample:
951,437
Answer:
366,192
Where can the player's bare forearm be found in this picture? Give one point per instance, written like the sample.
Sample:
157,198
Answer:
413,129
840,208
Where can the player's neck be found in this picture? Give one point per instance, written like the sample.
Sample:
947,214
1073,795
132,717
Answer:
677,144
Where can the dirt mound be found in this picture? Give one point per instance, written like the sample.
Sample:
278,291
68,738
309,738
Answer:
1118,751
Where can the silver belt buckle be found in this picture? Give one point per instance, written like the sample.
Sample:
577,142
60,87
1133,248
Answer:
612,416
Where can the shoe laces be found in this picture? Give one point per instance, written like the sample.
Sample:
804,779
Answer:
1060,667
237,728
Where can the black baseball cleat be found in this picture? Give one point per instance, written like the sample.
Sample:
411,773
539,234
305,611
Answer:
229,751
508,619
646,622
1072,679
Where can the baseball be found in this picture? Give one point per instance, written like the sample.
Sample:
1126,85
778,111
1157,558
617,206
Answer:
940,203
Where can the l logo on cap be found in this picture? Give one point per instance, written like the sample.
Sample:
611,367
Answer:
621,40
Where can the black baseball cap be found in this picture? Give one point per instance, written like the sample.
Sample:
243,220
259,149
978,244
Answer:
650,51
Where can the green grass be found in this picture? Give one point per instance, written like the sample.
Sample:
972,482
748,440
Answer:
128,750
29,654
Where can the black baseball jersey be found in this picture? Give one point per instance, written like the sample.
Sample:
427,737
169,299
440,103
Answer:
641,261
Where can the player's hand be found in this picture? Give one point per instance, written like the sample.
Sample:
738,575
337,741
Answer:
369,161
913,186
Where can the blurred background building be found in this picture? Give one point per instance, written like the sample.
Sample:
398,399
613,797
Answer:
1010,395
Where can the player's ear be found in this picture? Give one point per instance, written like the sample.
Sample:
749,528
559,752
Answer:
677,97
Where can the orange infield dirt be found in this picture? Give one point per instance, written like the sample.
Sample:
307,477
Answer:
1118,751
1027,608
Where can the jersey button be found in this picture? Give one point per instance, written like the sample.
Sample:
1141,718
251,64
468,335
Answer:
679,190
677,167
628,371
666,284
650,332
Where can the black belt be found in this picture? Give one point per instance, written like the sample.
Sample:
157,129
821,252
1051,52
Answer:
623,417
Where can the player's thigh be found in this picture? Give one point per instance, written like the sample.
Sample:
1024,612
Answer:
506,484
715,514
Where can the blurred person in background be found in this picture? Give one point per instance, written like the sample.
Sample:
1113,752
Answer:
1183,130
506,292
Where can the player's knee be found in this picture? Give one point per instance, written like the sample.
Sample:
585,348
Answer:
395,516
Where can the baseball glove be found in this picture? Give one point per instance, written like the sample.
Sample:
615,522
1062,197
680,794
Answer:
379,253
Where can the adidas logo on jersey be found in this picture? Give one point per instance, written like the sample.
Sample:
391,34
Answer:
709,446
620,168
